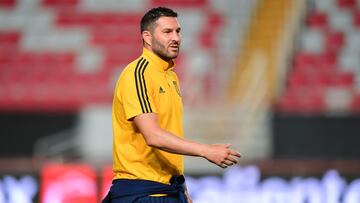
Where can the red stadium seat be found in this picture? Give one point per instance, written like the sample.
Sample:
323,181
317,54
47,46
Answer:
288,105
297,80
356,104
52,76
304,59
60,4
97,20
346,4
345,80
317,19
357,19
9,41
7,4
334,41
179,3
315,62
302,100
113,39
208,35
11,37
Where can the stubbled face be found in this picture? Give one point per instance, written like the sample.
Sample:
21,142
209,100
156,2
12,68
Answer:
166,38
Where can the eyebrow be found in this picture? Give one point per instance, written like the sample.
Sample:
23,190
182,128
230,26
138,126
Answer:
166,29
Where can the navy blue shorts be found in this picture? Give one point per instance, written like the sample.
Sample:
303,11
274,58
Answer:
149,199
139,191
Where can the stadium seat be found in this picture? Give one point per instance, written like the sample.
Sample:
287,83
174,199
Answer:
179,3
356,104
7,4
312,41
327,60
346,4
71,40
353,42
317,19
349,61
341,20
63,4
11,37
94,20
325,5
212,25
303,101
334,41
356,20
338,99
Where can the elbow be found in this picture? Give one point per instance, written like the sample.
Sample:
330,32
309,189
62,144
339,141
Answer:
153,141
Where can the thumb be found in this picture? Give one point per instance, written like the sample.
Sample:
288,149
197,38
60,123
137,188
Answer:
228,145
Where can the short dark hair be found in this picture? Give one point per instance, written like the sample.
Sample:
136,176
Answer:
153,15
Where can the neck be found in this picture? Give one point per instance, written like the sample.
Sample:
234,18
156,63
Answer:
148,47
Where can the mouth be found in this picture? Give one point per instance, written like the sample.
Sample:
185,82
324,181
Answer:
174,47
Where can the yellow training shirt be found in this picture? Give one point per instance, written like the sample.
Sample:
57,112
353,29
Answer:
146,85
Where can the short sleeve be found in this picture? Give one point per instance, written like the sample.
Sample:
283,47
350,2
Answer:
136,93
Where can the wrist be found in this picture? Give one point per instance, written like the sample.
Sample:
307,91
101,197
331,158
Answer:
202,150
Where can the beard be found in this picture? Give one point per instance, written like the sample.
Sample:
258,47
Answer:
162,51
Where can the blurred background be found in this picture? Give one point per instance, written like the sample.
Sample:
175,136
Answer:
278,79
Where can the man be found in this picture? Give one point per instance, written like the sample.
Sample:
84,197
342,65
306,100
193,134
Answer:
147,121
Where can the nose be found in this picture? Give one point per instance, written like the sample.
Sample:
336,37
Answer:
176,36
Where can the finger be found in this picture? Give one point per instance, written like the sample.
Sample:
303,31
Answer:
228,163
227,145
232,159
235,153
222,165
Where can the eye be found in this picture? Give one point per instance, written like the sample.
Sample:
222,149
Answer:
167,31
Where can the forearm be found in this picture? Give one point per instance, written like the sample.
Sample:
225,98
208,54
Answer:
219,154
169,142
157,137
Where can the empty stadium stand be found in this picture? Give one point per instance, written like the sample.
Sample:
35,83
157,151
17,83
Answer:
325,73
61,55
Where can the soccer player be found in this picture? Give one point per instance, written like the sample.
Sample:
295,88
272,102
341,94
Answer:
147,121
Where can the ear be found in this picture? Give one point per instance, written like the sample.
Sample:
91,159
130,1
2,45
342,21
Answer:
146,35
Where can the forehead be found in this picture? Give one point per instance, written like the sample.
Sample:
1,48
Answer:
167,22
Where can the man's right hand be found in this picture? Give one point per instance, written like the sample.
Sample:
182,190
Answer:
155,136
221,155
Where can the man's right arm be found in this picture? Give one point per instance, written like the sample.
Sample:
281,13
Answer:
155,136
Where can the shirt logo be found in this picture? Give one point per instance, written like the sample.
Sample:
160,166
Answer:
161,90
177,88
